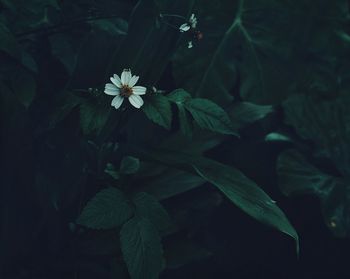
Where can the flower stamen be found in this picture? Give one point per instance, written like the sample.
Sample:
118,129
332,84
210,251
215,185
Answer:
125,91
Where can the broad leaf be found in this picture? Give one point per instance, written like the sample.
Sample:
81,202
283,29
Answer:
297,176
142,249
210,116
242,191
129,165
8,43
148,207
245,113
108,209
24,87
94,113
157,108
260,47
179,97
326,124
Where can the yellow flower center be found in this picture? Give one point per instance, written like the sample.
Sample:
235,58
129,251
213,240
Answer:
125,91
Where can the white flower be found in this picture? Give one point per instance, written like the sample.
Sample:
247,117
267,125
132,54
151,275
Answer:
190,44
192,23
124,87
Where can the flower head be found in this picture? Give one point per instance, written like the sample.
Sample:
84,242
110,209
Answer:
124,87
192,23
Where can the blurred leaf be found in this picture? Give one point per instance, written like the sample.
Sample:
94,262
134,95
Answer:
129,165
259,48
209,115
148,207
24,87
142,249
108,209
8,43
94,113
245,113
211,73
326,124
297,177
147,48
157,108
116,26
112,171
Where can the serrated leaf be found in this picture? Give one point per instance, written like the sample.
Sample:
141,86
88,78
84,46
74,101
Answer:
157,108
129,165
142,249
108,209
209,115
148,207
186,125
94,113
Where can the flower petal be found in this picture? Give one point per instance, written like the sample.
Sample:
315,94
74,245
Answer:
126,76
112,91
133,81
110,86
184,27
116,81
136,101
139,90
117,101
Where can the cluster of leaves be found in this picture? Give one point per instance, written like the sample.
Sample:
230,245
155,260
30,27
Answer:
113,172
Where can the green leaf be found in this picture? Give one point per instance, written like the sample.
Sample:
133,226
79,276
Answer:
297,176
325,123
179,97
157,108
149,43
8,43
94,113
242,191
24,87
245,113
148,207
112,171
108,209
212,72
129,165
186,124
209,115
142,249
250,47
171,182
